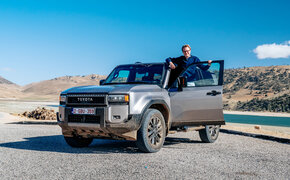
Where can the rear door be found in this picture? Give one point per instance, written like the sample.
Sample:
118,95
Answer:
200,102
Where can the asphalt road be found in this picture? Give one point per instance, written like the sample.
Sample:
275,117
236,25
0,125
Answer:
40,152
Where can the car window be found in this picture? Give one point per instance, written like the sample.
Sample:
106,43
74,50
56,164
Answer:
120,76
202,75
136,73
140,75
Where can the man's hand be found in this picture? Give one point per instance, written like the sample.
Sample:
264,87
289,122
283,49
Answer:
209,62
171,65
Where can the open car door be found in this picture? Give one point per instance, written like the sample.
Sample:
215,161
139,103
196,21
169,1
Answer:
197,100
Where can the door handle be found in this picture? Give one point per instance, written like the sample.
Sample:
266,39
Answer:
213,93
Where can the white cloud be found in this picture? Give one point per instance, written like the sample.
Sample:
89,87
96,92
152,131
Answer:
6,69
273,51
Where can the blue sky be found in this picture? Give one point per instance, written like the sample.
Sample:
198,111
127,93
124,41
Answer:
41,40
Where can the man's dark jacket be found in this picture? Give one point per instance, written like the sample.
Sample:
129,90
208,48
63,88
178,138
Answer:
182,63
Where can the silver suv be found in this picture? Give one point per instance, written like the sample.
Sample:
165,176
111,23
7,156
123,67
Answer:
143,103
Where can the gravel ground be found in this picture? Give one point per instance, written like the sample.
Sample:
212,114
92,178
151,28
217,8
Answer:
40,152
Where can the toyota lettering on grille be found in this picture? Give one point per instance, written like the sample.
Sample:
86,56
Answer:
88,99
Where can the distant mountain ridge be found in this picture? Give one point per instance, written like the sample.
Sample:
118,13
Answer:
53,87
48,89
56,85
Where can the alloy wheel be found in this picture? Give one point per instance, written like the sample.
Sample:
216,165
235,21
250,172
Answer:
213,130
155,131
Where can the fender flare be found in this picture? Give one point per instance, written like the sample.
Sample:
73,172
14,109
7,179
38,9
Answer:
156,101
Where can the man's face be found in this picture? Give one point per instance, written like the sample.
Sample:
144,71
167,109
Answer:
186,52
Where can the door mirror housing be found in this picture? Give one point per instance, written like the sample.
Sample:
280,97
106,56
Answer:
182,82
102,81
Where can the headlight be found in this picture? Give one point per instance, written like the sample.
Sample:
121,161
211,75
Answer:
118,98
62,99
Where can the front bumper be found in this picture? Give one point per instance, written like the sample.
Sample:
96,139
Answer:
100,125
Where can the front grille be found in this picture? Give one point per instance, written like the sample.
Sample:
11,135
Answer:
84,119
75,118
94,100
97,118
92,119
87,99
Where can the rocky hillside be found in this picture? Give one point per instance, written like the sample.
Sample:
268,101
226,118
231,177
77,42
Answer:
277,104
251,85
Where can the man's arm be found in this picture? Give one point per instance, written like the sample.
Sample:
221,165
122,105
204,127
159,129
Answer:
201,66
173,62
170,63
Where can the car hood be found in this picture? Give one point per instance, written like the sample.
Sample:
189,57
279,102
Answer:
112,89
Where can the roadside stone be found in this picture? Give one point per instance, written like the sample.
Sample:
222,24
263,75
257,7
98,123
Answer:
257,127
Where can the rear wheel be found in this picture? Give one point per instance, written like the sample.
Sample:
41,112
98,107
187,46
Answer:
78,141
151,135
210,133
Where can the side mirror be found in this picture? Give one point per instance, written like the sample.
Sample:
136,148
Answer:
182,82
102,81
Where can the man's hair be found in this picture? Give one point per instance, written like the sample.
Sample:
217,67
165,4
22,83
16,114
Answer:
186,45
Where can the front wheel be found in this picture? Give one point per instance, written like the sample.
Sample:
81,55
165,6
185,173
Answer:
210,133
151,135
78,141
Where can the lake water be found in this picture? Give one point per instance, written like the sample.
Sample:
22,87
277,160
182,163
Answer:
258,120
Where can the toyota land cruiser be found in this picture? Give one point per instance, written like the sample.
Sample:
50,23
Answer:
144,102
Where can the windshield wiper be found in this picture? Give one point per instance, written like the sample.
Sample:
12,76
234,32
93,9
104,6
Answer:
138,82
133,82
112,83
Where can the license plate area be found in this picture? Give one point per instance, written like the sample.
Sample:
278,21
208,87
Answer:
83,111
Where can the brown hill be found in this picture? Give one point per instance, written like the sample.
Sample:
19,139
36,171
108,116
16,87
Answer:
9,89
50,89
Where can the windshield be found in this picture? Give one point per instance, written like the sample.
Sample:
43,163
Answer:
136,74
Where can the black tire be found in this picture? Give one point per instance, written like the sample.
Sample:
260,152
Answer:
78,141
210,133
151,135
